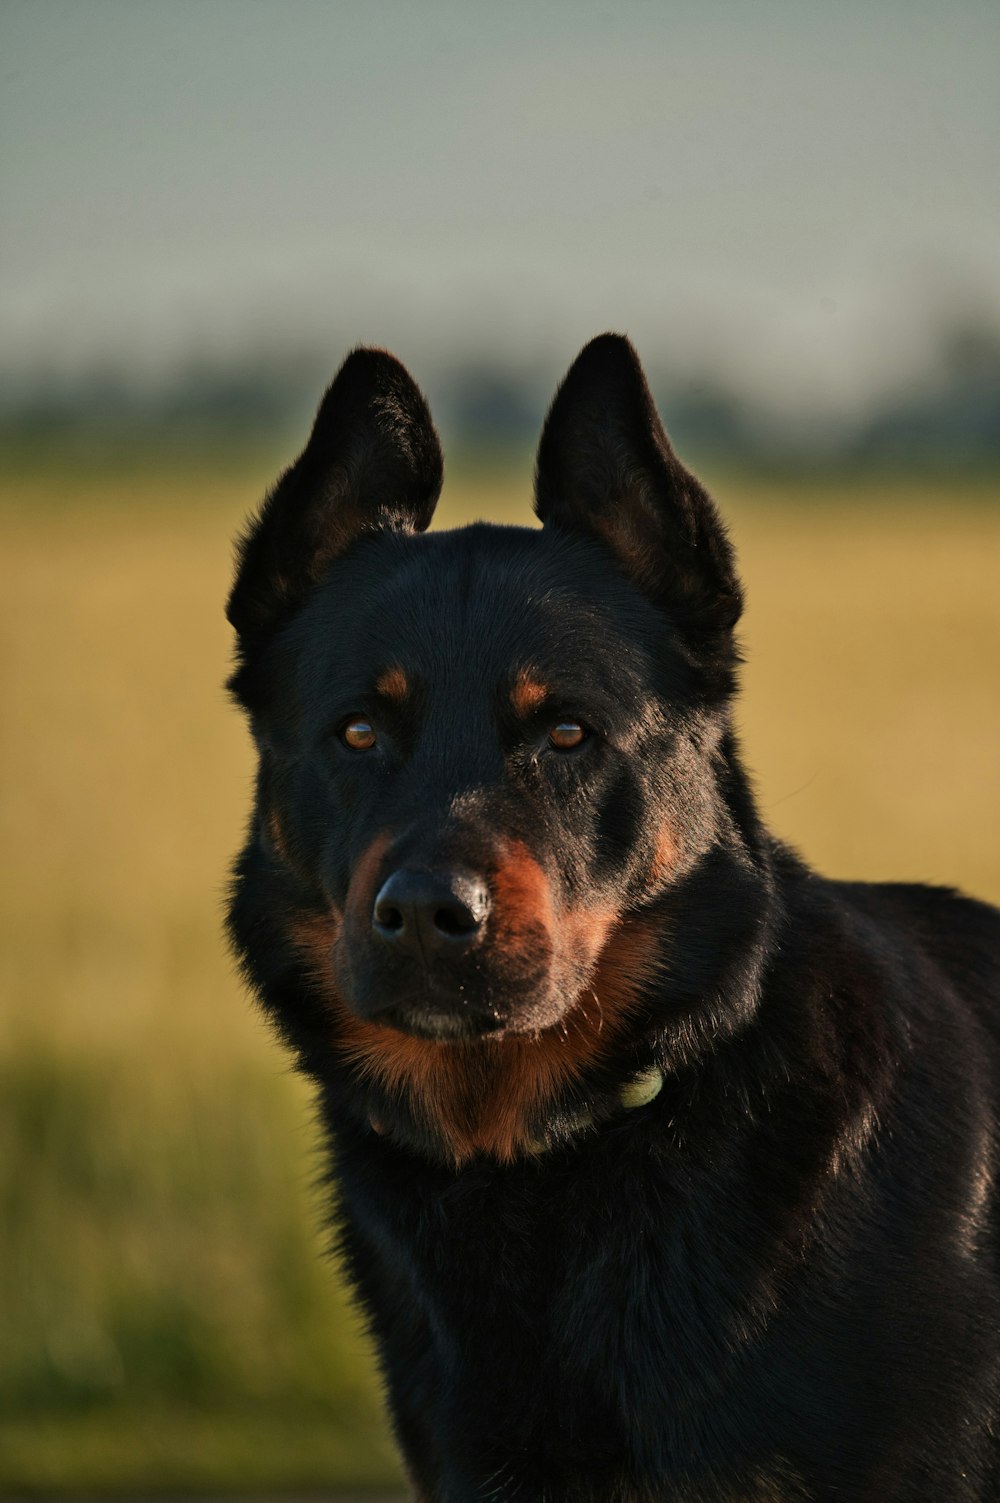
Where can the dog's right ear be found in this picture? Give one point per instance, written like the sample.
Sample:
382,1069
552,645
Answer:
373,462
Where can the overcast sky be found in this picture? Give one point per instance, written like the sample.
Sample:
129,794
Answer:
793,190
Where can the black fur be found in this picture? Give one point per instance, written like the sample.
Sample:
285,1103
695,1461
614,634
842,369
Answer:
777,1280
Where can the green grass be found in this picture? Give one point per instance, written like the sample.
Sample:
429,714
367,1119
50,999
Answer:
169,1318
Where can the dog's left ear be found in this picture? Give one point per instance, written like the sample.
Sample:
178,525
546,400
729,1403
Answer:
606,467
373,463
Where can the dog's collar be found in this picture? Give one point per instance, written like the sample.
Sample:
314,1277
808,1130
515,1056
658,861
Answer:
639,1091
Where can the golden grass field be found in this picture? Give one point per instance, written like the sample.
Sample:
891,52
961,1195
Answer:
167,1320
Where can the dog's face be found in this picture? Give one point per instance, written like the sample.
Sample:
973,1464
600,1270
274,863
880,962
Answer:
483,753
466,739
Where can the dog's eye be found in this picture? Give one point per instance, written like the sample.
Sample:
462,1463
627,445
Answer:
359,735
567,734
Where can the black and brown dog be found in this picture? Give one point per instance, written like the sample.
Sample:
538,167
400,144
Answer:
666,1168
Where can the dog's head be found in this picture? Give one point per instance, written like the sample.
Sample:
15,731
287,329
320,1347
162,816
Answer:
487,757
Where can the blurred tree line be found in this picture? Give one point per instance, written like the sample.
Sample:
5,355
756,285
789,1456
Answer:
947,416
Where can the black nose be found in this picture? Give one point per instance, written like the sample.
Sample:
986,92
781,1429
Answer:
430,914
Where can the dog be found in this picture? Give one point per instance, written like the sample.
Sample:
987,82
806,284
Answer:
666,1168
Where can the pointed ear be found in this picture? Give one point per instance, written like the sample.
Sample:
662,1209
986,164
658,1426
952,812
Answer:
605,467
373,462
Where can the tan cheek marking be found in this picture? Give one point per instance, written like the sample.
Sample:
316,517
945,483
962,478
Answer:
522,898
666,851
392,684
314,935
276,835
527,693
586,932
626,965
362,886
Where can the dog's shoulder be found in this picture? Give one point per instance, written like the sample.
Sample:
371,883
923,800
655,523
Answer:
944,931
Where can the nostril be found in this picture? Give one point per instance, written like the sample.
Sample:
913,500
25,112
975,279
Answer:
388,918
455,921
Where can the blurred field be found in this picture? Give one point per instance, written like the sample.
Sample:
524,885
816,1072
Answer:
167,1319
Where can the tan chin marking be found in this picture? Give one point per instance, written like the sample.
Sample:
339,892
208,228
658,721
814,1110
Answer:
486,1096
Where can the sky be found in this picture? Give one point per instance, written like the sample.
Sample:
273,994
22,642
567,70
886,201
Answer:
797,194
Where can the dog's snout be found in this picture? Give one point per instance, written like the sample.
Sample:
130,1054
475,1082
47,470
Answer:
430,914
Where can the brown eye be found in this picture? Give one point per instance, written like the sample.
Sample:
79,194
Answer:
566,735
359,735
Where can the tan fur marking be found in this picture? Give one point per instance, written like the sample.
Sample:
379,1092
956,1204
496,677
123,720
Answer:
314,935
522,900
361,892
276,835
527,693
392,684
485,1096
666,850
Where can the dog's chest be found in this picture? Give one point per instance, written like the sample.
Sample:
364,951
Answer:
556,1326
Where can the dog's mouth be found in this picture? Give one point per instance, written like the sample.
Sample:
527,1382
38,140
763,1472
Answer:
453,1006
438,1023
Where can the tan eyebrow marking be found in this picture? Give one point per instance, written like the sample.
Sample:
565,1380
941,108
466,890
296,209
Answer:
392,684
527,693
